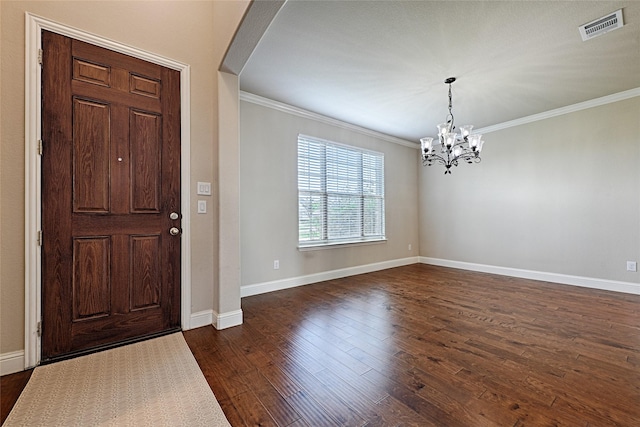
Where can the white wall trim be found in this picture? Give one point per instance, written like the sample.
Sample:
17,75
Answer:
219,321
609,99
11,362
292,282
33,30
200,319
286,108
228,319
586,282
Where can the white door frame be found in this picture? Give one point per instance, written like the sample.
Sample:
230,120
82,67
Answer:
33,118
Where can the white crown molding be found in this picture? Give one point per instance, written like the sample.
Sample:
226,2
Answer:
290,109
564,279
609,99
292,282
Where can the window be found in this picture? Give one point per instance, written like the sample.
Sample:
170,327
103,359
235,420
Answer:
340,193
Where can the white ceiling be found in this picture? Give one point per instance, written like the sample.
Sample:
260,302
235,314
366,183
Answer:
382,64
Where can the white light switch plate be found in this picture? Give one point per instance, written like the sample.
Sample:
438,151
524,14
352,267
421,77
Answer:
202,206
204,188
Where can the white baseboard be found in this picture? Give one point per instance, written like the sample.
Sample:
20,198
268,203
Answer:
228,319
276,285
201,318
219,321
586,282
11,362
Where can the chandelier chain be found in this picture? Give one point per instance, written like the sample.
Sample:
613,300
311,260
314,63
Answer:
450,116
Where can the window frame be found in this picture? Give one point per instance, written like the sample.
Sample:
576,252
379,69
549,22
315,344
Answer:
322,176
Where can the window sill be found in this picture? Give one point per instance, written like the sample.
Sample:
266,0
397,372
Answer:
335,245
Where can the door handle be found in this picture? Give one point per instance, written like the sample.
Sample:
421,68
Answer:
174,231
174,215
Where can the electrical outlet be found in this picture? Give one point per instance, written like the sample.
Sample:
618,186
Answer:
276,264
409,247
632,266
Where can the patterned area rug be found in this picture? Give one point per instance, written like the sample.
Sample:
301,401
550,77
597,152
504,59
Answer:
150,383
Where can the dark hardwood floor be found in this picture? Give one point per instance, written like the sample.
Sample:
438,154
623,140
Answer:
10,388
427,346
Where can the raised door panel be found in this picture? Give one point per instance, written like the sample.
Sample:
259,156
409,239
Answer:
144,86
91,148
146,278
145,141
91,72
91,278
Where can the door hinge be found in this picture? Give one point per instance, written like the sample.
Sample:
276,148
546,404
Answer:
39,237
39,330
40,56
40,147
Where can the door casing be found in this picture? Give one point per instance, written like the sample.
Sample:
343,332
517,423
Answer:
33,119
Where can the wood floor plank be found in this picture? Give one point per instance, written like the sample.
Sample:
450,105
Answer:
252,410
447,382
395,413
231,412
311,410
279,379
332,404
280,411
360,402
406,393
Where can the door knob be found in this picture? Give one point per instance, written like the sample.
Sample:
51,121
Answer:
174,215
174,231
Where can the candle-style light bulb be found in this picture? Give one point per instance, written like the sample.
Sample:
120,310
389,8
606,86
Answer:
450,139
427,145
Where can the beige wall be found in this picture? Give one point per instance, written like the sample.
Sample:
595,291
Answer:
269,198
561,195
193,32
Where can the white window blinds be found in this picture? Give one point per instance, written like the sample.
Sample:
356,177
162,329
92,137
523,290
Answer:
340,193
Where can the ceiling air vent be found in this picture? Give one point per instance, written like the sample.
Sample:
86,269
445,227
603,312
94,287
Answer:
596,28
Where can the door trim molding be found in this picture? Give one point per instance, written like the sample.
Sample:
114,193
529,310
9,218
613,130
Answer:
33,221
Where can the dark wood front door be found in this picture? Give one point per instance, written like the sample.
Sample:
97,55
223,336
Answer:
110,180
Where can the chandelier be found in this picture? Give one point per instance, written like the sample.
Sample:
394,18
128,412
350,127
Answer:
454,147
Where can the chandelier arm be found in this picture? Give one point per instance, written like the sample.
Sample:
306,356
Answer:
434,158
470,156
